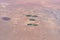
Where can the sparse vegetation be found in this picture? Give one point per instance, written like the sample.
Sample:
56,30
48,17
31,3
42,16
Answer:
29,24
28,15
34,16
35,24
32,24
32,19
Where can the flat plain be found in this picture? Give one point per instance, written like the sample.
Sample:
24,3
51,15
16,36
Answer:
46,17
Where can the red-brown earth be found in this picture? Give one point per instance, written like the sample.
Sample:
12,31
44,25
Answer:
17,29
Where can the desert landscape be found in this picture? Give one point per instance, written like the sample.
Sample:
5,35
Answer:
29,20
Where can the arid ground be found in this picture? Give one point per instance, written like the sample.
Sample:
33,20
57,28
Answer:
15,23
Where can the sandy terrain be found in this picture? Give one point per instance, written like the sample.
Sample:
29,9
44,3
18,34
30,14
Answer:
16,28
